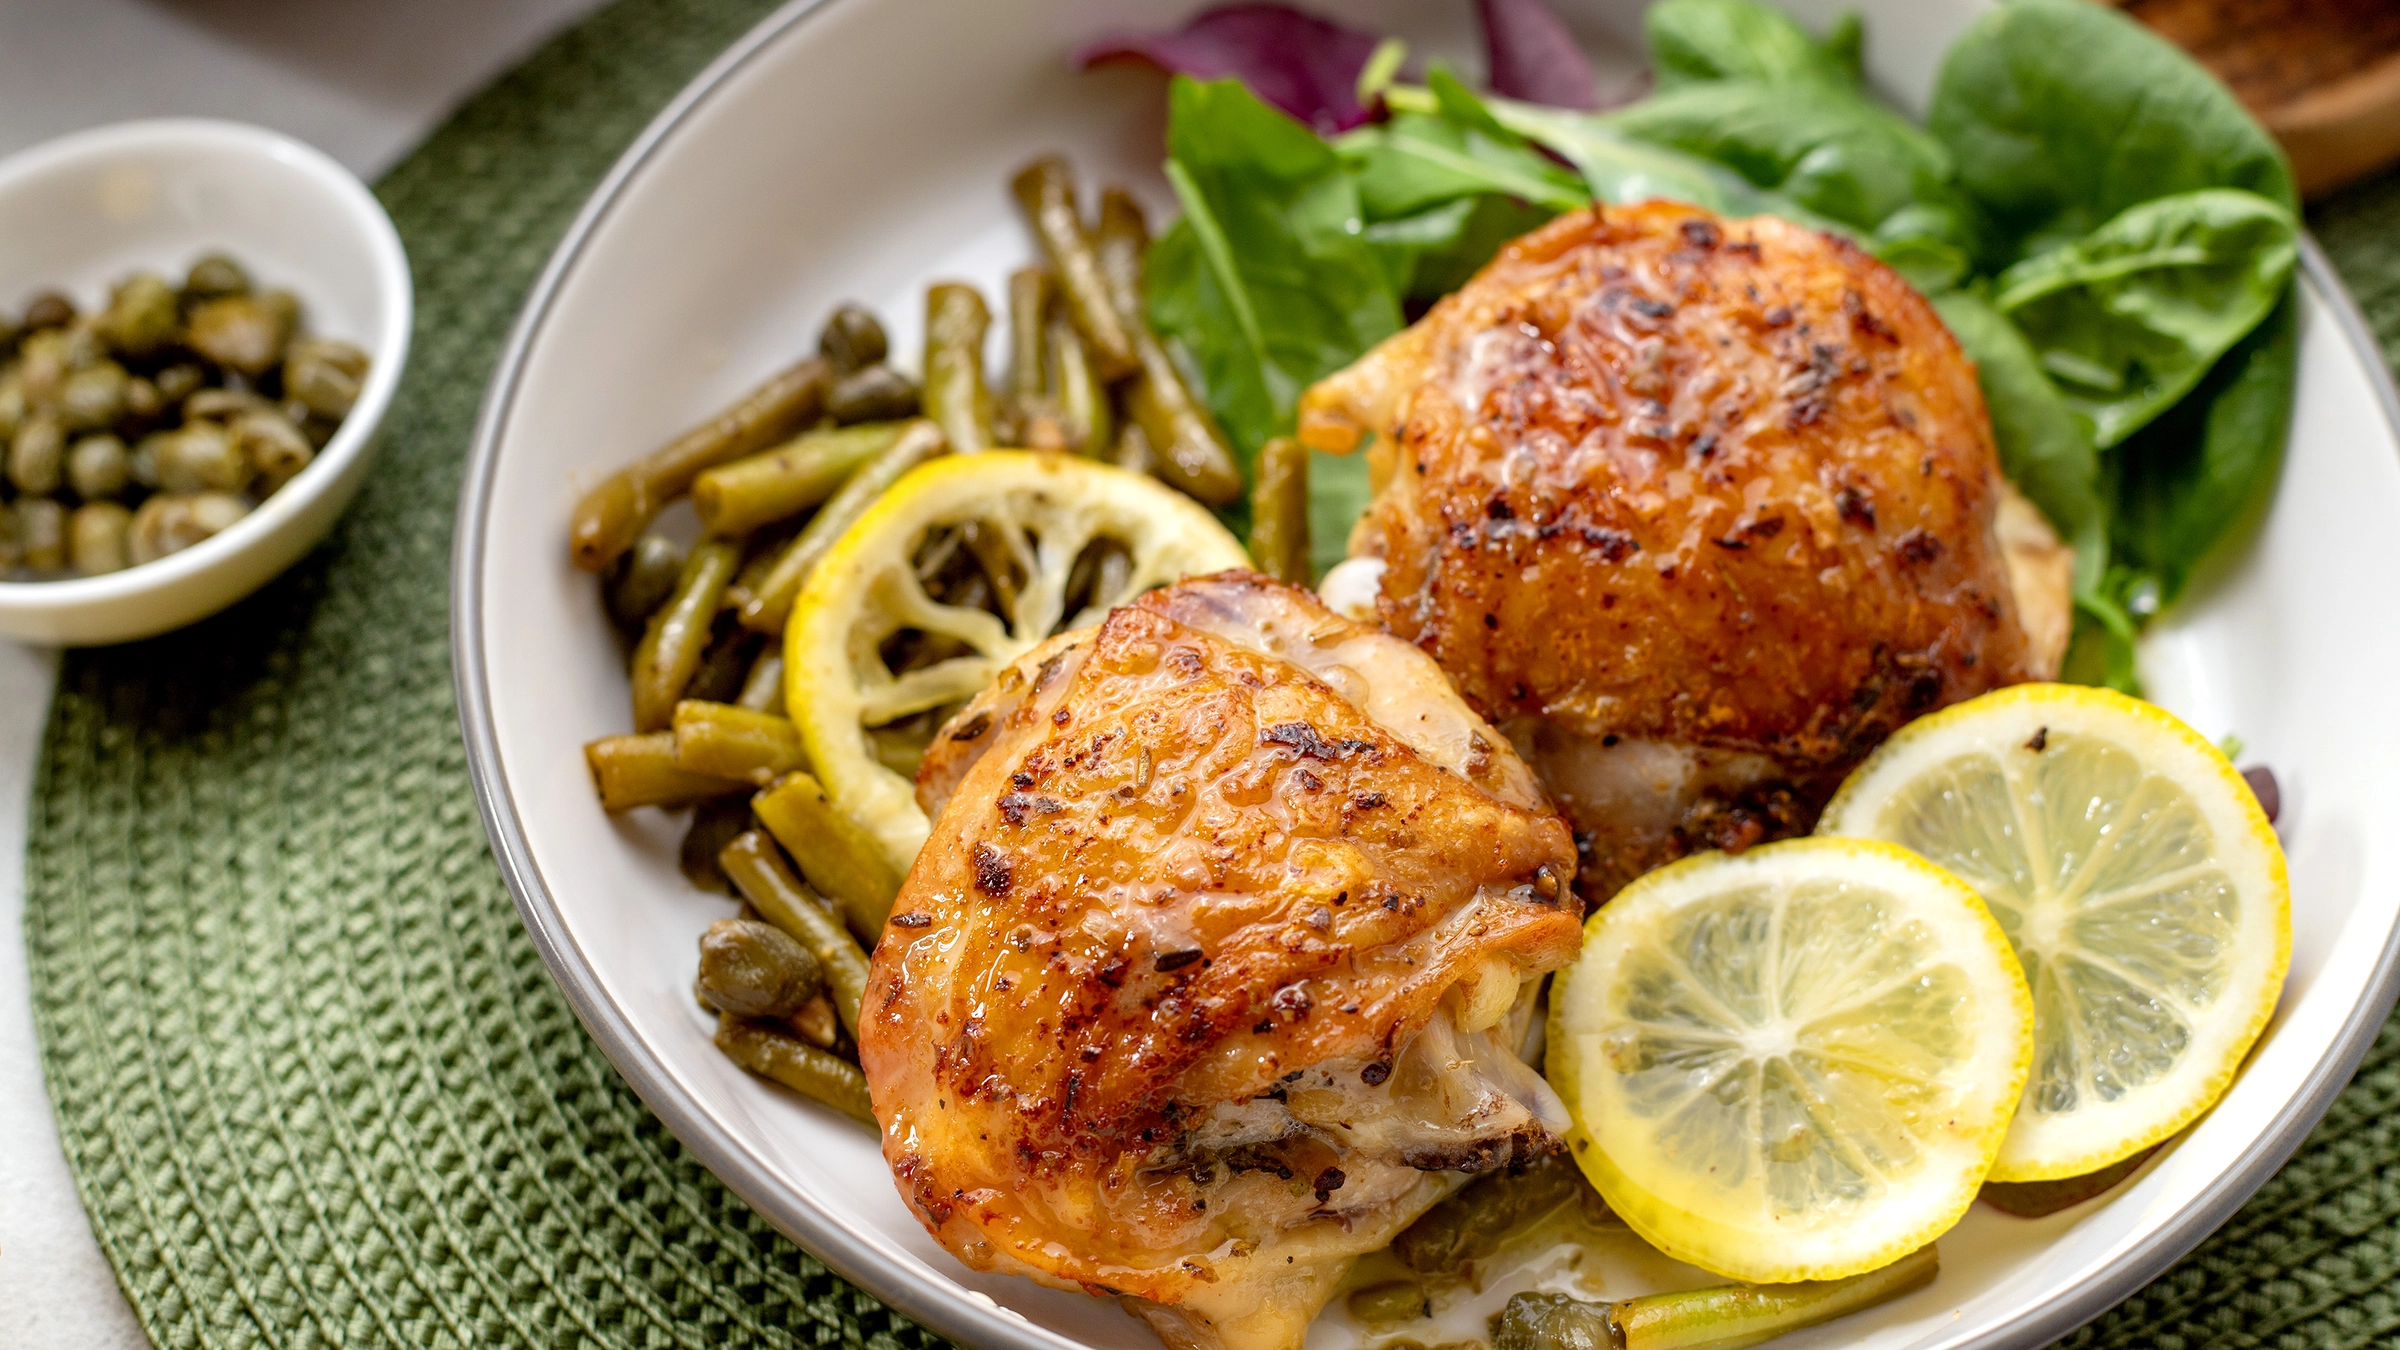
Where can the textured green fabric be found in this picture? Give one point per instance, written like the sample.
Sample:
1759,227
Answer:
315,1085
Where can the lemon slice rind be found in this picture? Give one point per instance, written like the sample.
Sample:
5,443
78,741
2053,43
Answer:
2167,775
1901,1125
1047,508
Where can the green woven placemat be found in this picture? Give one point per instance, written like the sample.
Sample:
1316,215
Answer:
315,1085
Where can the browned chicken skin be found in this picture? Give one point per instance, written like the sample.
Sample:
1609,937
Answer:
1698,511
1216,968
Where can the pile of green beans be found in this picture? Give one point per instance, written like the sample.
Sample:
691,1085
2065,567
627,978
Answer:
775,479
141,428
1724,1317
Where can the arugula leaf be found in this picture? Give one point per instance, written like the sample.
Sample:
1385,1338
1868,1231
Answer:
2128,318
2190,481
2061,114
2044,450
1267,282
1698,41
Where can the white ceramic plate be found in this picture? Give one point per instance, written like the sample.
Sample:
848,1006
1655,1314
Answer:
857,149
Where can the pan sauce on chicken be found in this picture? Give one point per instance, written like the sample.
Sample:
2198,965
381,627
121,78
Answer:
1698,511
1217,966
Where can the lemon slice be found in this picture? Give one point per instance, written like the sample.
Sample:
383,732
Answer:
2138,880
1791,1064
1034,517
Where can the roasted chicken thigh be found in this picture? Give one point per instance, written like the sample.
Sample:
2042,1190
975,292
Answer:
1698,511
1219,964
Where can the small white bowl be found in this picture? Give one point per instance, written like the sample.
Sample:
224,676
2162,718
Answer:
82,211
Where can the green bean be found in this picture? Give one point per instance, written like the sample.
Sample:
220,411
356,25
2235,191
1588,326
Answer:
726,664
42,533
955,396
836,856
852,338
813,1073
758,870
1473,1223
96,536
770,602
1191,451
678,634
1725,1317
1046,189
614,513
715,824
739,497
1028,318
1081,395
641,579
762,691
1390,1301
734,742
631,771
753,969
1132,451
875,394
1279,511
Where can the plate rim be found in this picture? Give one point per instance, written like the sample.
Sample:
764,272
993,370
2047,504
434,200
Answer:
963,1315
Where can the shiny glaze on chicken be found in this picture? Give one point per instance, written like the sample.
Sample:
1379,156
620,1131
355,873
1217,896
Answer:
1216,968
1698,511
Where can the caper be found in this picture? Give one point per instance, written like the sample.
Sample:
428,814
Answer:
93,397
324,375
170,522
98,467
753,969
37,456
142,402
201,458
221,404
48,359
96,537
178,382
12,546
875,394
141,315
275,448
641,579
1555,1322
42,533
214,275
245,333
853,338
50,309
12,403
142,464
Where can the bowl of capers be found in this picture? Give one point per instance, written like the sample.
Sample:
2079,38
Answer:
201,325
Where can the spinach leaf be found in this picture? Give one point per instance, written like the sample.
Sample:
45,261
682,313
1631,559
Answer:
1824,146
1337,497
2061,114
1424,159
1434,252
1618,169
2044,449
2191,480
1698,41
1267,282
2127,319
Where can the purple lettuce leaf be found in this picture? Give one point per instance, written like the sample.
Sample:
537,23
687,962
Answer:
1532,56
1300,63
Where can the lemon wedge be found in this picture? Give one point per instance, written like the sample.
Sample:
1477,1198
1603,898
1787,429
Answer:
2139,882
1049,530
1792,1064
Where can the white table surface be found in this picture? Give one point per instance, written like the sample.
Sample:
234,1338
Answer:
363,80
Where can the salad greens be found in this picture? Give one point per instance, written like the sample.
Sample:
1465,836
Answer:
2107,232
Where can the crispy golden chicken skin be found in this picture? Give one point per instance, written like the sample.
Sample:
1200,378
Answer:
1699,511
1216,968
